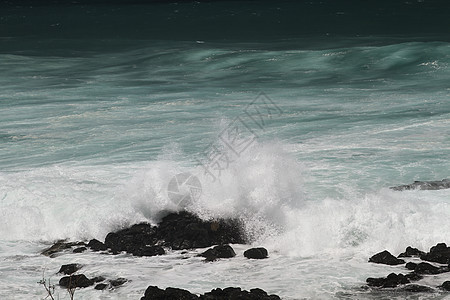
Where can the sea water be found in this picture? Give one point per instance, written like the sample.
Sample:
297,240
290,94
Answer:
300,137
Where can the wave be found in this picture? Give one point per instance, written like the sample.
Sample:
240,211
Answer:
265,187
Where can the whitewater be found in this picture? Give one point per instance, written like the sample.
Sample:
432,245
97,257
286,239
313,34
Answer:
91,136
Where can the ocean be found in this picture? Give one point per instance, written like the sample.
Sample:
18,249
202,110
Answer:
295,117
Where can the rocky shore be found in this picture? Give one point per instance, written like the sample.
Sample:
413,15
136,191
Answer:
176,231
420,264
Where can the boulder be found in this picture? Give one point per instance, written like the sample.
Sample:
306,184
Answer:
426,268
256,253
96,245
446,286
75,281
69,269
439,253
155,293
391,281
221,251
410,252
385,257
238,293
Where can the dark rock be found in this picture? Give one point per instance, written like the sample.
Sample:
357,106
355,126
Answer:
237,293
409,252
424,185
416,288
118,282
79,250
69,269
446,286
392,280
386,258
147,251
411,265
155,293
101,286
98,279
439,253
221,251
75,281
256,253
426,268
58,247
413,276
96,245
177,231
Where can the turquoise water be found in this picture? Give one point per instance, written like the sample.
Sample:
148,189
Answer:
93,130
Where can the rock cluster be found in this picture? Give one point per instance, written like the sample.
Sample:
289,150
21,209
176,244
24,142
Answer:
155,293
424,185
439,253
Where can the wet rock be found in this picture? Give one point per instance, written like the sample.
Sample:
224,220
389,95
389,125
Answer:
417,288
426,268
410,252
413,276
424,185
439,253
238,293
58,247
155,293
79,250
391,281
411,265
69,269
385,257
177,231
256,253
446,286
75,281
96,245
118,282
221,251
101,286
98,279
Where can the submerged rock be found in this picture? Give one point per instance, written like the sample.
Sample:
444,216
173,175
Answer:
385,257
60,246
256,253
417,288
424,185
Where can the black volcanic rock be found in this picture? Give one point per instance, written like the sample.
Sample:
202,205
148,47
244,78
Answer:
69,269
75,281
221,251
411,265
230,293
177,231
409,252
256,253
155,293
426,268
392,280
439,253
385,257
238,293
416,288
424,185
446,286
96,245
